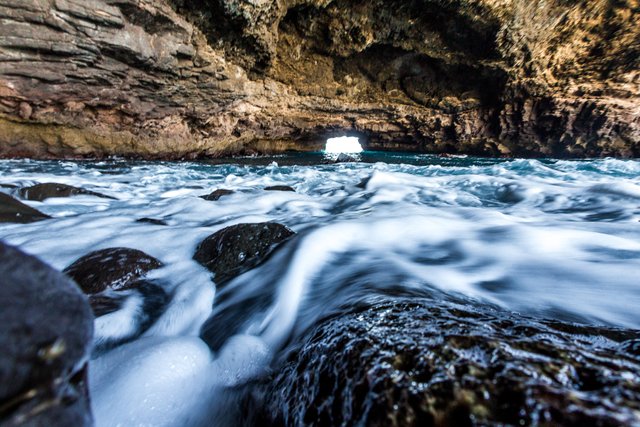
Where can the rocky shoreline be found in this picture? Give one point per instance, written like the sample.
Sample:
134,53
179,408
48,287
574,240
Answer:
170,79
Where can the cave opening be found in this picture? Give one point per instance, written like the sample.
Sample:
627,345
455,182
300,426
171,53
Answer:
343,144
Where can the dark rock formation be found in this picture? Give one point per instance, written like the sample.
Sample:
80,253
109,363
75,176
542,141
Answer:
47,327
12,210
236,249
111,269
215,195
113,276
153,221
176,78
424,363
279,188
40,192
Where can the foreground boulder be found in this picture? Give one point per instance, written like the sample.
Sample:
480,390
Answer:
114,268
40,192
236,249
47,327
12,210
421,362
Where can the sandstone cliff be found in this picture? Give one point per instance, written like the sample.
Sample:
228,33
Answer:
190,78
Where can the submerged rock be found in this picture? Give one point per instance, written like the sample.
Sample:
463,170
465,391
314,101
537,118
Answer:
236,249
424,363
124,303
217,194
124,315
47,327
364,182
114,268
279,188
153,221
40,192
12,210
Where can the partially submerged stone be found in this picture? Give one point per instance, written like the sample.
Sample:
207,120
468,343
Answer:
40,192
279,188
238,248
47,327
114,279
153,221
419,362
215,195
12,210
113,268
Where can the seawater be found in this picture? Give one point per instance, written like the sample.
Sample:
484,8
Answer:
545,238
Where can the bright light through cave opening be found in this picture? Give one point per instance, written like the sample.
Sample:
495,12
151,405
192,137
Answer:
343,144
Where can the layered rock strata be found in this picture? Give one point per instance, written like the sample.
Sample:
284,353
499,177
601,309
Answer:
185,79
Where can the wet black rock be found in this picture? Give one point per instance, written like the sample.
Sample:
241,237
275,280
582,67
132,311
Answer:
217,194
47,328
150,301
153,221
105,304
40,192
113,268
423,362
279,188
236,249
364,182
12,210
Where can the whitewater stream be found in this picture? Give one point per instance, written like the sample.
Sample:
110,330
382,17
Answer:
545,238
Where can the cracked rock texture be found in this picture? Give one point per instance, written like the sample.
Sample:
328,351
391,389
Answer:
196,78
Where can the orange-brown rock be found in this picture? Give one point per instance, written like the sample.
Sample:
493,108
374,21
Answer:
185,79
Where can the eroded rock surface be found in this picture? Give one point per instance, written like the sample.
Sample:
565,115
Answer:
427,363
175,78
47,328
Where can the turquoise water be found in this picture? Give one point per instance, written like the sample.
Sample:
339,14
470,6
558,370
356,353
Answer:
546,238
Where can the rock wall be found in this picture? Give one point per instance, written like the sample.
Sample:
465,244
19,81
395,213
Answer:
186,79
